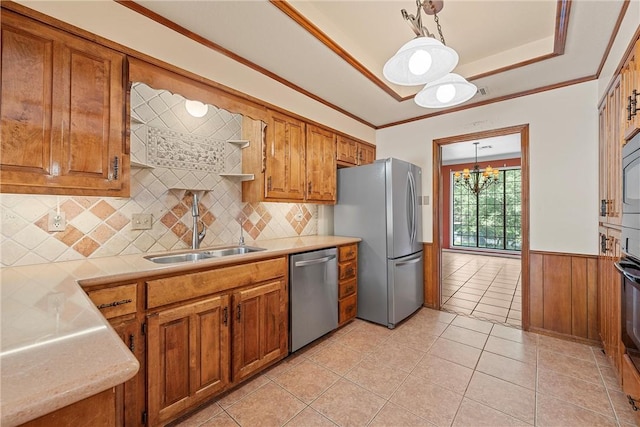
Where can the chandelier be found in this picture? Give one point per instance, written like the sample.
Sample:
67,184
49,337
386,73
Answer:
425,60
475,180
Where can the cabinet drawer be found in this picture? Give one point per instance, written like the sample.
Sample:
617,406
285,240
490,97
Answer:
347,270
348,252
347,308
181,288
116,301
347,288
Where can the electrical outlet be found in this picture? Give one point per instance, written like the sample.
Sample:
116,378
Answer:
141,221
298,217
57,221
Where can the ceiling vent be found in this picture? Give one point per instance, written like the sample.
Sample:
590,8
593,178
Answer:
483,91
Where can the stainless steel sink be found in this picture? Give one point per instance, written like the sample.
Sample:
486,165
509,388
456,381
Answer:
203,254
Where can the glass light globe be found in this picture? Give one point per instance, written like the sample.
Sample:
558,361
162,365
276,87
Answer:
196,108
419,62
446,93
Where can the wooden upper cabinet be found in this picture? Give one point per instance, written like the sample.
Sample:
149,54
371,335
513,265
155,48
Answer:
366,154
187,356
321,165
285,145
260,316
62,113
630,102
610,156
347,150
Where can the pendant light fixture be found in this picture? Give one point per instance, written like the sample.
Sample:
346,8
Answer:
427,60
476,180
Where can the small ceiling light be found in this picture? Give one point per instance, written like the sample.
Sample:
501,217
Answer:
449,90
196,108
427,60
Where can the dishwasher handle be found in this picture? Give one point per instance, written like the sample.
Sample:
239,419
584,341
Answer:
314,261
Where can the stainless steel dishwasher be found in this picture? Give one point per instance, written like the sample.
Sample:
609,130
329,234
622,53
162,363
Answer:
314,296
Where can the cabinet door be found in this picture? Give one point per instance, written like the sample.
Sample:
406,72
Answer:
62,113
285,154
346,150
130,396
260,327
366,154
187,356
321,165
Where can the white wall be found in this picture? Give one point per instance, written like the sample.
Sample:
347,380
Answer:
563,147
119,24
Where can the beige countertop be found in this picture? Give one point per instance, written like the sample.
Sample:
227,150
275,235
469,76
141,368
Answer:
56,348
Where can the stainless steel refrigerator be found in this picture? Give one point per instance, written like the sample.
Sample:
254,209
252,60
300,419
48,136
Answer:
379,202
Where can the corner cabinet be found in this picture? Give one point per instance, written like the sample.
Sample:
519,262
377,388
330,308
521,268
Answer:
62,115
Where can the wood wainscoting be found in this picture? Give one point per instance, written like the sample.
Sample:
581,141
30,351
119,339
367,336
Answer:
431,281
564,295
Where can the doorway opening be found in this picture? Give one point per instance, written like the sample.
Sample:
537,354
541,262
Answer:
481,246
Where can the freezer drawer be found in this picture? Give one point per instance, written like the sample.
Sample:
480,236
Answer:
406,287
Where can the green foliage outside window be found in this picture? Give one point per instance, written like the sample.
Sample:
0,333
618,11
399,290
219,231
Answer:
491,219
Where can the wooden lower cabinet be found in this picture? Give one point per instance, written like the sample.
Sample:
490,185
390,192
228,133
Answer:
260,325
188,356
347,283
609,284
130,396
631,383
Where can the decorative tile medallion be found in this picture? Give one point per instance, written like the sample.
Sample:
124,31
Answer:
178,150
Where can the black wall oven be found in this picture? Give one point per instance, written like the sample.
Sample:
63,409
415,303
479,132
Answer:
629,265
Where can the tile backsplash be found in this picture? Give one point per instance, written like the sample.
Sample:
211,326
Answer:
172,153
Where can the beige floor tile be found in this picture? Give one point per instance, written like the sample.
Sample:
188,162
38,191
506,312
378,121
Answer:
622,408
284,365
514,371
465,336
554,412
574,349
220,420
394,416
429,401
306,380
269,405
201,416
583,369
514,322
513,400
514,314
495,302
490,309
337,358
610,378
361,341
578,392
433,315
457,302
474,414
455,352
421,326
415,339
375,376
499,295
473,291
243,390
513,334
348,404
468,297
397,356
457,310
516,305
309,417
443,373
473,324
488,317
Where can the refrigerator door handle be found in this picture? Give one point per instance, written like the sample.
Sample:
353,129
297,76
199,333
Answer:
411,261
412,211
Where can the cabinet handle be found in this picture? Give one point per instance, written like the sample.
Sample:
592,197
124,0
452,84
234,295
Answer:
604,243
269,183
632,402
225,315
132,345
632,102
116,167
238,312
309,188
114,304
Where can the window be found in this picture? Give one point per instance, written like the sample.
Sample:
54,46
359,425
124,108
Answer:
490,220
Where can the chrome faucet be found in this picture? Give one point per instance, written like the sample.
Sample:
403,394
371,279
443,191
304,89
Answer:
241,241
196,238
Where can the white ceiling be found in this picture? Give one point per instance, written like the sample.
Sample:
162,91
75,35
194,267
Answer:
488,35
495,148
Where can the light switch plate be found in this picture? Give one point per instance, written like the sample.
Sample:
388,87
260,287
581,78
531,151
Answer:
141,221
